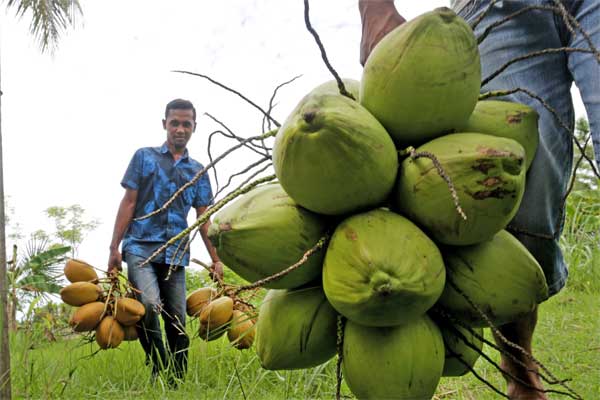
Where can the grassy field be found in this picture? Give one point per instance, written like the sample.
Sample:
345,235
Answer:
567,342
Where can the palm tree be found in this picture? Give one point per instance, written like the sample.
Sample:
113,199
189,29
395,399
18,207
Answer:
35,275
49,19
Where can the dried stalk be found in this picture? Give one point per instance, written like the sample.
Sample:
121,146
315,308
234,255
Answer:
339,81
206,216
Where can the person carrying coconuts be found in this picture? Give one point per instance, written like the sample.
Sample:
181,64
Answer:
538,223
152,177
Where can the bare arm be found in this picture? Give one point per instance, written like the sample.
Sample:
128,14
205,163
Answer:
378,17
217,265
124,217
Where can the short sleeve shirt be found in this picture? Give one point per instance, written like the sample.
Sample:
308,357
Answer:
157,176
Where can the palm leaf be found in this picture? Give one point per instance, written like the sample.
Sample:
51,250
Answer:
49,18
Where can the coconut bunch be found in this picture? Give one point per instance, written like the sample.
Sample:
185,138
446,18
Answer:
414,182
219,313
104,306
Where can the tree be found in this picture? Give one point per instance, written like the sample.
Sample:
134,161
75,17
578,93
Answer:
50,17
70,225
34,275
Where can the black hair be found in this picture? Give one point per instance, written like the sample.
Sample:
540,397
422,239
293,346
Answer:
180,104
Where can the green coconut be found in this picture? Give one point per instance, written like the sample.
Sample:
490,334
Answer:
462,348
400,362
352,86
333,157
264,232
499,276
381,270
295,329
423,79
506,119
488,173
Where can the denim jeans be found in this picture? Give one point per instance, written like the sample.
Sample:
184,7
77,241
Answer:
166,298
538,223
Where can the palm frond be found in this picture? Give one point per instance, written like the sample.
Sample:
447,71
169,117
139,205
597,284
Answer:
49,18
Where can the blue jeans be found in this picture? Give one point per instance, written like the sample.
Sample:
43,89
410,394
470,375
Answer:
538,223
166,298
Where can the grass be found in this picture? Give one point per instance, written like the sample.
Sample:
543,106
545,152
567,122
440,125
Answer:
567,341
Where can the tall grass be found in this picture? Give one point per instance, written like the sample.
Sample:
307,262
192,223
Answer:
566,340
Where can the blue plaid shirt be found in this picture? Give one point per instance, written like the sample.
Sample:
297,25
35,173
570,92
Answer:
156,176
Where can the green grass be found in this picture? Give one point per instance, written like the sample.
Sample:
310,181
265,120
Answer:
567,341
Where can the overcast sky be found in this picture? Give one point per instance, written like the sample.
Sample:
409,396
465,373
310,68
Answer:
71,122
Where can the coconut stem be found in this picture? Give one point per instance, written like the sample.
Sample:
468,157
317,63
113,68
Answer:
438,166
207,214
202,172
341,323
507,342
339,81
320,243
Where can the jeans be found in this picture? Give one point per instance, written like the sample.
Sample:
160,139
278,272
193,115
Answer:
166,298
538,223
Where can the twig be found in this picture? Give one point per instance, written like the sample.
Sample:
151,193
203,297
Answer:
202,172
498,93
425,154
270,109
207,214
483,14
261,282
339,81
531,55
507,342
277,124
341,323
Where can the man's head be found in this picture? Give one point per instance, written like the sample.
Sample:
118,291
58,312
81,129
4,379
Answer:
179,122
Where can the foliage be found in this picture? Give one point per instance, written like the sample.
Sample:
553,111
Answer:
49,18
69,368
33,275
70,225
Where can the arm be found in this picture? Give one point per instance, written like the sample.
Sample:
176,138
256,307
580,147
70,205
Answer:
378,17
124,217
217,265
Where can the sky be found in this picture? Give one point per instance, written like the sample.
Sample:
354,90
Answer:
72,120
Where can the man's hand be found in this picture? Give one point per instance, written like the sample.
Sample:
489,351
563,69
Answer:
378,17
114,262
216,271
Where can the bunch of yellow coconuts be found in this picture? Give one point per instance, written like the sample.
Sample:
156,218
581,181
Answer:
111,313
220,313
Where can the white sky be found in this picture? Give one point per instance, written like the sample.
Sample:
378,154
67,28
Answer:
71,122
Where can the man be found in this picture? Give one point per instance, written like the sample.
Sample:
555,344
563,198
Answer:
153,176
538,223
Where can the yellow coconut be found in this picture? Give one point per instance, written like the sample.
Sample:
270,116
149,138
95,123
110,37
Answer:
217,313
130,333
80,293
241,332
87,317
128,311
109,334
198,299
79,271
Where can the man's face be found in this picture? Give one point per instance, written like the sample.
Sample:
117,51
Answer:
179,126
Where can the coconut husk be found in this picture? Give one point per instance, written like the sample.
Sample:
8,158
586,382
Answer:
196,301
87,317
217,313
109,334
242,330
80,293
79,271
128,311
